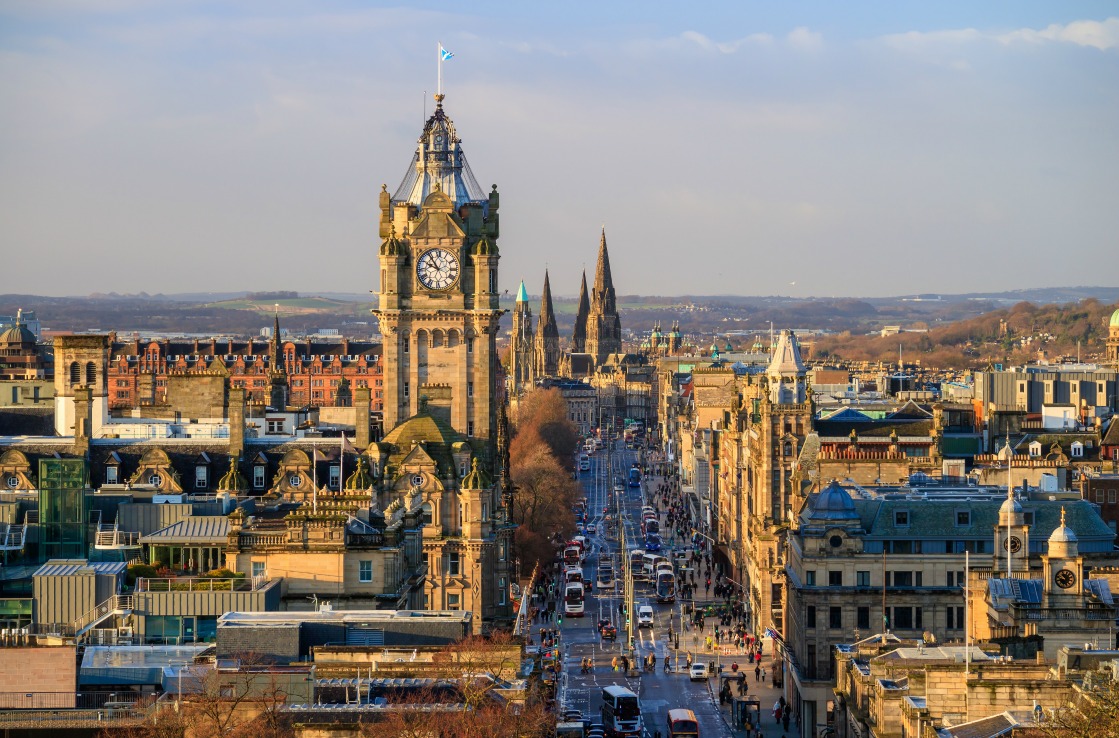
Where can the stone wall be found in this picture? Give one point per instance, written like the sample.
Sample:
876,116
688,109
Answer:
48,675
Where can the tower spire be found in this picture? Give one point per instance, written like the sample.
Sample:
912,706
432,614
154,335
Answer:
604,329
579,334
546,354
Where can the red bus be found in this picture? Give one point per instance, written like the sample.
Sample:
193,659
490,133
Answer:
682,724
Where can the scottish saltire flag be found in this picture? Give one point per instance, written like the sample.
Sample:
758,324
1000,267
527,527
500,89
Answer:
444,54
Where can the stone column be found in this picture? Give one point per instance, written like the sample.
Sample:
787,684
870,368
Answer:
361,418
83,419
236,414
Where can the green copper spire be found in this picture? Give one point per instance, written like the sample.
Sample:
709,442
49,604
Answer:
522,293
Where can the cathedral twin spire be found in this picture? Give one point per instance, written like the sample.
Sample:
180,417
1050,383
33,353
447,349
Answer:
597,331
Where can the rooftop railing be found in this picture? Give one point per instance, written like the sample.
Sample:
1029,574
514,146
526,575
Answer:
201,584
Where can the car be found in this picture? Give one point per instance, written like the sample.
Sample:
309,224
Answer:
603,623
592,528
609,632
698,672
645,617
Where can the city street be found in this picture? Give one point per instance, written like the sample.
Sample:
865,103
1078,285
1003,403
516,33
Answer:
657,690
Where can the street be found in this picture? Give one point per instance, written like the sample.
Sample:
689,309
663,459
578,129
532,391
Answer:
657,691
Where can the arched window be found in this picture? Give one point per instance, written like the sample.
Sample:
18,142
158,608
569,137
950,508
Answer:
75,373
90,373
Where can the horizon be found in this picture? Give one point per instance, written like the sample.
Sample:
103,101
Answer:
817,150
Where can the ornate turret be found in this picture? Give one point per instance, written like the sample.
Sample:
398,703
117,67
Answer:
521,350
360,480
233,481
1062,563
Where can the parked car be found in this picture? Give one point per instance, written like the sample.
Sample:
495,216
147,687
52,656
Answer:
698,672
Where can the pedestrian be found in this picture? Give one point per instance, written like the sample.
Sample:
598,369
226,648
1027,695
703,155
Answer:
785,720
757,674
614,663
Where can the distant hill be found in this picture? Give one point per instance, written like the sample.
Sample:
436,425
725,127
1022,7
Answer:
1022,333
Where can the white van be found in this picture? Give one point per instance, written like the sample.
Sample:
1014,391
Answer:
644,617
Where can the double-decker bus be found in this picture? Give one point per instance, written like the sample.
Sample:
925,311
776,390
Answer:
621,713
572,555
573,600
666,586
682,724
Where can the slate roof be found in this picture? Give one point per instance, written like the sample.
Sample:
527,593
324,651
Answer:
988,727
195,529
937,519
874,428
1111,438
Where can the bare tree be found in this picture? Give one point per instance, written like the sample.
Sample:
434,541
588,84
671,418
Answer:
1093,713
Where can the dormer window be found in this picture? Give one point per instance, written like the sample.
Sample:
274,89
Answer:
1035,449
462,469
201,477
112,474
901,518
1077,450
258,476
426,513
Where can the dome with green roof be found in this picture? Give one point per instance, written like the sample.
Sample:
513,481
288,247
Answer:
1115,319
435,434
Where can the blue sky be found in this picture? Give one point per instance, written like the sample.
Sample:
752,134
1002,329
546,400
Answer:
729,148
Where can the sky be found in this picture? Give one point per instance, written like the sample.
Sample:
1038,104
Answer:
748,148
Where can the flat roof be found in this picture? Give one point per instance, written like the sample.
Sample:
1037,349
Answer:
345,616
102,657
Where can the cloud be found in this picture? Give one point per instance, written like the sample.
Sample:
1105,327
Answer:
723,47
1102,35
804,39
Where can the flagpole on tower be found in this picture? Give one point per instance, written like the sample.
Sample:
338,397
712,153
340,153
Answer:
439,78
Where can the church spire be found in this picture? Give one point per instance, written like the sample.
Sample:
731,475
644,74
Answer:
547,320
579,334
604,329
546,349
603,297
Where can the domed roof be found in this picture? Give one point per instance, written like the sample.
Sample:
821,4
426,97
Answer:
18,334
1115,319
1063,533
422,427
833,503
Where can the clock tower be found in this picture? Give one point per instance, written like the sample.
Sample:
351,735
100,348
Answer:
438,300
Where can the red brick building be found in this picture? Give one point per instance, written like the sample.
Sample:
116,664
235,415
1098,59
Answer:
317,373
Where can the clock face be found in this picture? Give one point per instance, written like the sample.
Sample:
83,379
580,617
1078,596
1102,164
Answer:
1012,544
438,139
437,269
1065,579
